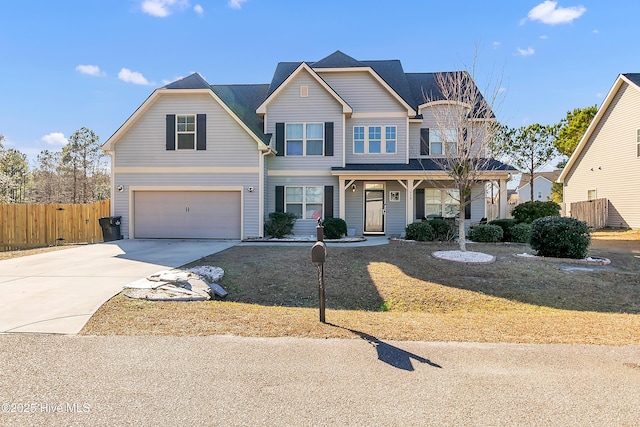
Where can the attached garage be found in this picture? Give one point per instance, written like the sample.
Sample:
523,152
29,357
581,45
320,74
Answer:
187,214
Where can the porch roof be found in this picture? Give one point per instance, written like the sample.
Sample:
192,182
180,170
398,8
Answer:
415,166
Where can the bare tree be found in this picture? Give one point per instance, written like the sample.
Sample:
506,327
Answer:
465,128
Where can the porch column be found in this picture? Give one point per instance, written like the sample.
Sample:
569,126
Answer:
341,199
409,199
503,198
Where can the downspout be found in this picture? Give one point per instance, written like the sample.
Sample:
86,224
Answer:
261,193
112,190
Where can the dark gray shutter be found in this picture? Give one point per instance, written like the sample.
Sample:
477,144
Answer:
424,141
171,131
464,134
328,201
279,198
419,203
467,207
280,139
328,139
201,132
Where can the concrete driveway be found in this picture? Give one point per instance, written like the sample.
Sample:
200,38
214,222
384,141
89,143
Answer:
57,292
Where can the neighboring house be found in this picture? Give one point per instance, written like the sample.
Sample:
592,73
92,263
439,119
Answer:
606,163
542,185
332,138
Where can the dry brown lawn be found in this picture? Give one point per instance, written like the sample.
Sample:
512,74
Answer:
400,292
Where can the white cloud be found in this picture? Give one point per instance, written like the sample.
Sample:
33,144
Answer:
544,37
236,4
163,8
91,70
128,76
198,9
596,31
55,138
547,12
496,44
526,52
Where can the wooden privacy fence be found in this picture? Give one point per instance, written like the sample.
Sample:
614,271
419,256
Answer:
36,225
594,212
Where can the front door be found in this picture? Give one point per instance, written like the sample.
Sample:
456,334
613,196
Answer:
374,211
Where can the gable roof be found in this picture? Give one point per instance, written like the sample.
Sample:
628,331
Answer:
549,176
273,91
237,101
243,100
633,80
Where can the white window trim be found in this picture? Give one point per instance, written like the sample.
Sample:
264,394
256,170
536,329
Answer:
383,139
442,141
304,200
444,193
194,133
304,139
595,193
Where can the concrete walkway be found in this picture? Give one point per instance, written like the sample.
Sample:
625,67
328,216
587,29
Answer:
57,292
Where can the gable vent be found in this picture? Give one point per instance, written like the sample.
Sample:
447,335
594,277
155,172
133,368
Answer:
304,91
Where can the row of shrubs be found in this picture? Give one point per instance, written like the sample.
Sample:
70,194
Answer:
280,224
540,225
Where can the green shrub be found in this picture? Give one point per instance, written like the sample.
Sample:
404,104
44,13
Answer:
486,233
420,231
334,228
520,233
506,225
530,211
560,237
279,224
443,229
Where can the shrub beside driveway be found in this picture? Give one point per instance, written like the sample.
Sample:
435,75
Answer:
399,291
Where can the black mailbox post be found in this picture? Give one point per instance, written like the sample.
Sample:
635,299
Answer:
318,257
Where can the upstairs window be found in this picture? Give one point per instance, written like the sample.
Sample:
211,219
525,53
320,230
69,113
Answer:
441,139
186,131
638,142
304,139
374,139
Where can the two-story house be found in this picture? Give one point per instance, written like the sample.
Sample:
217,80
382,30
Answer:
333,138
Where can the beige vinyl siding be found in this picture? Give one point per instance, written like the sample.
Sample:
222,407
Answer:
228,144
210,182
401,141
318,107
303,226
611,152
362,92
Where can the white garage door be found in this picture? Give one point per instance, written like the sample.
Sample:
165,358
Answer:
187,214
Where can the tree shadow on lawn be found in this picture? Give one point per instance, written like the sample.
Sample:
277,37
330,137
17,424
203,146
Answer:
403,276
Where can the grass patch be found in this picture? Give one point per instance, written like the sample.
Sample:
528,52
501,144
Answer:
399,291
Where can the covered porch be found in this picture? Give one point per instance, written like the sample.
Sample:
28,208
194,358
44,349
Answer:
374,200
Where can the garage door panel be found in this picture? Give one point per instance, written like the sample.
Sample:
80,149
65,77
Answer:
187,214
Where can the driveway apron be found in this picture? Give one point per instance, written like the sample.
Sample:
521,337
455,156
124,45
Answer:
57,292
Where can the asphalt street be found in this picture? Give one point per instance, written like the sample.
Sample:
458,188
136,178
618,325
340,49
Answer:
68,380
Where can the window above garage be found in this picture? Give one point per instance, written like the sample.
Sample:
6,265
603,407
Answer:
186,132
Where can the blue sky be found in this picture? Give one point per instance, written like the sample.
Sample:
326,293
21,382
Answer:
73,63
